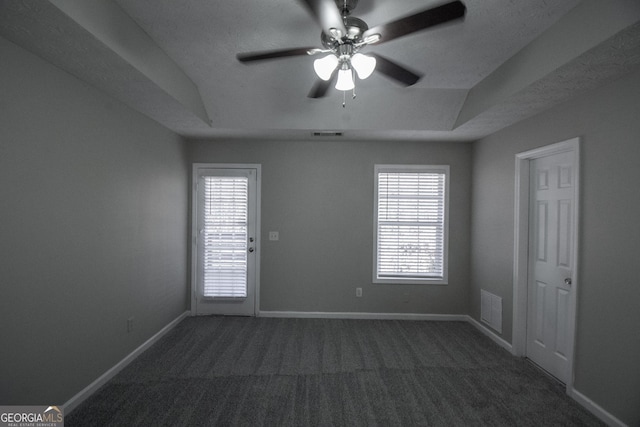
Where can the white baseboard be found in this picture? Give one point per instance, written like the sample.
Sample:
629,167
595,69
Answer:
488,332
363,316
76,400
595,409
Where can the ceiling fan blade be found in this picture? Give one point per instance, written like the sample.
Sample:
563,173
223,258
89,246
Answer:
395,71
328,16
419,21
272,54
321,87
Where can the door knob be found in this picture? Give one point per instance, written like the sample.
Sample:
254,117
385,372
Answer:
567,281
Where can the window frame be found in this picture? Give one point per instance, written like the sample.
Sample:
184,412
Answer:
440,169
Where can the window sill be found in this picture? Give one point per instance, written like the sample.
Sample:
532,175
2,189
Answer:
405,281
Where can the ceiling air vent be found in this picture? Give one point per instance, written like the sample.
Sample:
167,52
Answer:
327,133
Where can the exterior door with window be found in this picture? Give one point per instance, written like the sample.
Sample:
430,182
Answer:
551,231
225,239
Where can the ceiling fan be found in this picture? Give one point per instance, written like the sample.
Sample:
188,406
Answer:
343,36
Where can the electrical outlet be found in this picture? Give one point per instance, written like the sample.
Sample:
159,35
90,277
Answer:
274,235
130,324
359,292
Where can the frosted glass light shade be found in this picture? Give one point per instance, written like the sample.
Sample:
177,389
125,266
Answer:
324,67
345,79
364,65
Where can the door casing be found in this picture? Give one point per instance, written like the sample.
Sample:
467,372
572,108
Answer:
194,227
521,249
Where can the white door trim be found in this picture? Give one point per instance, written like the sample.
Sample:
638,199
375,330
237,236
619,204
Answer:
521,248
194,225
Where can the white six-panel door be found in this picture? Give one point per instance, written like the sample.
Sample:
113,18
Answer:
551,249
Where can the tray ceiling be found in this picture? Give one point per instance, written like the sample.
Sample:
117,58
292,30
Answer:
175,62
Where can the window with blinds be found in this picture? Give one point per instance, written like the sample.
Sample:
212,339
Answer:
411,224
224,236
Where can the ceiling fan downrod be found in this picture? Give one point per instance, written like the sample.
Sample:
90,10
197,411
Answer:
347,6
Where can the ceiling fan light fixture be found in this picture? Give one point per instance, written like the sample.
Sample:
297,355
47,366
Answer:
364,65
345,79
324,67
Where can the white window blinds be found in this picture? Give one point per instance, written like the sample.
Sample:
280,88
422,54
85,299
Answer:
224,236
411,221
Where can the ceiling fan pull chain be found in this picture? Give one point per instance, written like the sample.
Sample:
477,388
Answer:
344,99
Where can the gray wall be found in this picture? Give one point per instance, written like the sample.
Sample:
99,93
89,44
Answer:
93,229
607,368
93,223
319,196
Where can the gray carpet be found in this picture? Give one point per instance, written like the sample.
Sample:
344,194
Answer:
235,371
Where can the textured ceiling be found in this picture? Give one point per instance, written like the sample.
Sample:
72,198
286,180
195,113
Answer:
175,62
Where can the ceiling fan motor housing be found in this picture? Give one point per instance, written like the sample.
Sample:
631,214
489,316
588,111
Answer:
355,28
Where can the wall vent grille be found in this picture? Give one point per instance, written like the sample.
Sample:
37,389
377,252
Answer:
491,310
327,133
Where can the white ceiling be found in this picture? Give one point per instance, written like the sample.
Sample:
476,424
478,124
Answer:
175,62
